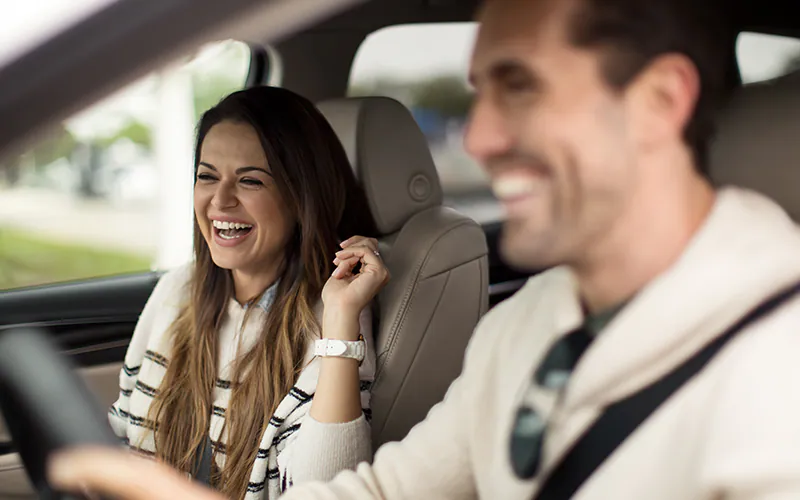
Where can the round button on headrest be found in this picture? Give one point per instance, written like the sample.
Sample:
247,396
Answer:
419,187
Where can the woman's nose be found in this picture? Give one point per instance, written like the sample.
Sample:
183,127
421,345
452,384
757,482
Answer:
224,196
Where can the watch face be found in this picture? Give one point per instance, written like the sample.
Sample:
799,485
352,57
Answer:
336,348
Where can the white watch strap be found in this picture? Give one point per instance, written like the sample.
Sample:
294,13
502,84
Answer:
340,348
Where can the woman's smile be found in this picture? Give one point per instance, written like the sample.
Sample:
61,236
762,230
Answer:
229,233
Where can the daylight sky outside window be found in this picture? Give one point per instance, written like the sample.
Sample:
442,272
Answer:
26,24
409,52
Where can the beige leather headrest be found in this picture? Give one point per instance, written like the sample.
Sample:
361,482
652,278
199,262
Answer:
390,157
758,142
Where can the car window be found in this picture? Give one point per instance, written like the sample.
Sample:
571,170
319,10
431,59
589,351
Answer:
24,25
763,57
424,66
108,191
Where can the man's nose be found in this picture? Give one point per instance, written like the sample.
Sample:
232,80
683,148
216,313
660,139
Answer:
487,134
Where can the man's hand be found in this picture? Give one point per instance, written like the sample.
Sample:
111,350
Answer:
119,474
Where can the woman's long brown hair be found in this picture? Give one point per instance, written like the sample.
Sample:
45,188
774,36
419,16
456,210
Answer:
319,188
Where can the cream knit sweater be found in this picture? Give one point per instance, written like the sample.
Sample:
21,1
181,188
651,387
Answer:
295,448
733,432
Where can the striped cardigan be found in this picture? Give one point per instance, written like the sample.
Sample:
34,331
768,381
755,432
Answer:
294,448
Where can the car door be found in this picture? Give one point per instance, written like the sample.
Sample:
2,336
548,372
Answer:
92,322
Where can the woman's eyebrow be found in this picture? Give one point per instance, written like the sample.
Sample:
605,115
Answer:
240,170
244,170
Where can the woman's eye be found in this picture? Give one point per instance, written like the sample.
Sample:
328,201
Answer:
252,182
205,177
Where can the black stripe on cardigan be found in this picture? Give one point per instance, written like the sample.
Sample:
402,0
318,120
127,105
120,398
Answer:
300,404
131,371
142,422
264,452
219,447
299,394
126,392
156,358
284,435
119,412
255,487
146,389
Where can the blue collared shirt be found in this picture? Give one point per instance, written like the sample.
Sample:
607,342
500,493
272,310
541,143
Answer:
267,298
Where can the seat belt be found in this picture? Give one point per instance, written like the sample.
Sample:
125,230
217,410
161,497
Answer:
621,419
202,468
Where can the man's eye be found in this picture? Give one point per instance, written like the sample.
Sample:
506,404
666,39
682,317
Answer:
517,84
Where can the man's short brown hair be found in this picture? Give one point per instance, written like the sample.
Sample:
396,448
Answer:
631,33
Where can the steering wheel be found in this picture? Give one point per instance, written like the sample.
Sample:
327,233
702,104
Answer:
45,405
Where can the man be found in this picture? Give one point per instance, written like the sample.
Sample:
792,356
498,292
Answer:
593,118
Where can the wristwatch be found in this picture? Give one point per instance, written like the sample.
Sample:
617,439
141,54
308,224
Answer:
341,348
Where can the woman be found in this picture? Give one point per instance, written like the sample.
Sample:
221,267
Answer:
220,379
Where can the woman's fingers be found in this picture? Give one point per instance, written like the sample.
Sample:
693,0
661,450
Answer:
360,240
364,254
344,267
354,292
347,259
119,474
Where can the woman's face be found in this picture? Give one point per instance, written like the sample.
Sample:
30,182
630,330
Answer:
241,214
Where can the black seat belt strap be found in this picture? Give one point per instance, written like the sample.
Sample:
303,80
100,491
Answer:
621,419
203,465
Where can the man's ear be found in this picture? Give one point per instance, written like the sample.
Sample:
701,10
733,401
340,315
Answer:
663,98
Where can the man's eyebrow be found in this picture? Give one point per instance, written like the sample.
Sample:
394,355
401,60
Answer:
508,68
504,69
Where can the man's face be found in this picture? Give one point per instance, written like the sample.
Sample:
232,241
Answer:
552,135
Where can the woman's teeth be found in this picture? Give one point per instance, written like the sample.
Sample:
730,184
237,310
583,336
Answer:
230,225
231,234
231,230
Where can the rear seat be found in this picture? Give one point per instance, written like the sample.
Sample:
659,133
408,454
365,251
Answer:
758,144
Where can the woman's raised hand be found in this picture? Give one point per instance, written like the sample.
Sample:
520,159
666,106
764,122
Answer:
349,293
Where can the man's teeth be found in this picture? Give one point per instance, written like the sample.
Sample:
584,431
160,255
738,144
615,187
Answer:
512,187
230,225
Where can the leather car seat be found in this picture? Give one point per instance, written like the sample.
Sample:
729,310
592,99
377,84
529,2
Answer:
437,258
758,141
